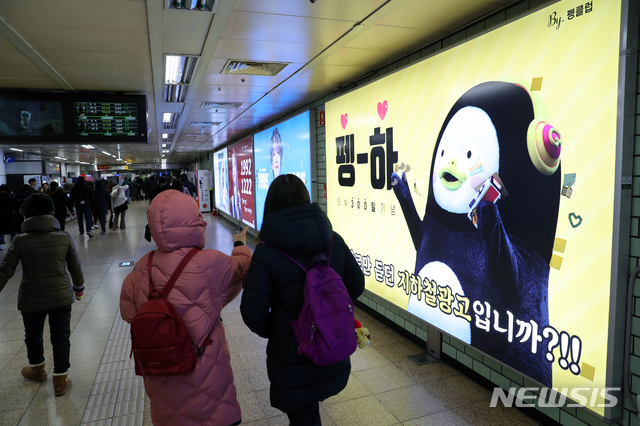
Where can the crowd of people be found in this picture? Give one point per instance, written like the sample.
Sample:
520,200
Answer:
273,291
91,202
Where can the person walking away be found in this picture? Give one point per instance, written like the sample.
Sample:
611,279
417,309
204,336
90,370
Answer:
135,190
24,193
46,253
7,215
208,283
103,200
60,202
119,204
81,196
274,295
126,184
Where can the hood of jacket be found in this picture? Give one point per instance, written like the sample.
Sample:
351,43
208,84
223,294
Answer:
303,230
175,221
40,223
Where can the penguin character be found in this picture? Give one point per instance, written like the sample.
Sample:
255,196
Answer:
485,280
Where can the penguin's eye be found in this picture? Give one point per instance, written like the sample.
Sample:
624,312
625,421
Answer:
471,155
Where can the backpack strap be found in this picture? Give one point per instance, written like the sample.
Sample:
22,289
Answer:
174,276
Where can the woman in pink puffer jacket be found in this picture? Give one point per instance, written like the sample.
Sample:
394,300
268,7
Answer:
206,396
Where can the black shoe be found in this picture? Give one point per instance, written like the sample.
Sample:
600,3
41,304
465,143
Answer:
89,234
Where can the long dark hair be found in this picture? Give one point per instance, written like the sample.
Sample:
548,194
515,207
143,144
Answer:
285,191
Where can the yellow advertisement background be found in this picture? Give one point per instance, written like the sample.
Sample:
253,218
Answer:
578,64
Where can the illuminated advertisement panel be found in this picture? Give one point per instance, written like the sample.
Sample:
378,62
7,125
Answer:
221,180
241,191
282,149
476,190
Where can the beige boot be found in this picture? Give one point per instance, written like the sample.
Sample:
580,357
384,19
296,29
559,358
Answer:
61,384
35,372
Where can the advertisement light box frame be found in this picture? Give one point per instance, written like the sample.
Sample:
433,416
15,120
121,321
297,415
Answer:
516,133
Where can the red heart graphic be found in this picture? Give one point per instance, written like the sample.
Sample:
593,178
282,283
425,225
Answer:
343,120
382,109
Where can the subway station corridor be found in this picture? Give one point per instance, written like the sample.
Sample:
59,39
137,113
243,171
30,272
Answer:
385,386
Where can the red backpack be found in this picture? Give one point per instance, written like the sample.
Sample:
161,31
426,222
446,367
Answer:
160,343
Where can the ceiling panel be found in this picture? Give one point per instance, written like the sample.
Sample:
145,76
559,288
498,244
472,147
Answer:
21,83
134,62
349,56
438,16
193,27
84,40
282,28
259,50
393,39
352,10
112,15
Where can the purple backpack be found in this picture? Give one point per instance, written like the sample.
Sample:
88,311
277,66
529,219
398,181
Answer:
325,329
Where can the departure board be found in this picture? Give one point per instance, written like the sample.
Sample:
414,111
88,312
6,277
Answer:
106,118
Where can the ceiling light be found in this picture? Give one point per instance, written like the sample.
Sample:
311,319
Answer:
88,146
165,151
15,149
105,152
170,120
165,136
270,69
179,69
60,158
164,145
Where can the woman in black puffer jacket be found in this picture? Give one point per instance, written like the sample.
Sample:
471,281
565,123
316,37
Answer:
274,295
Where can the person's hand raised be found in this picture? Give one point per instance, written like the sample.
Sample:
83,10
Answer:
242,237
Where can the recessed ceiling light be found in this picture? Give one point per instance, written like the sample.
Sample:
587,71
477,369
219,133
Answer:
15,149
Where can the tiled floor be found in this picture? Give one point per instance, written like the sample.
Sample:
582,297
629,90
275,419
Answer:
385,387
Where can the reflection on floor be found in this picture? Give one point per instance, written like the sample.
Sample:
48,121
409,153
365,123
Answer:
385,387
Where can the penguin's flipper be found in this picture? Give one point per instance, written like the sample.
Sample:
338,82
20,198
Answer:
403,193
501,251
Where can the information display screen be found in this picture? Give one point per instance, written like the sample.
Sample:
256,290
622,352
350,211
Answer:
241,190
67,117
281,149
476,190
106,118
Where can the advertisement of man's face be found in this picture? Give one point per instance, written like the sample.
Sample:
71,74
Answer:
276,153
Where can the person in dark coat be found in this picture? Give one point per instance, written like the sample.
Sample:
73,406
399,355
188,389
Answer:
21,196
81,197
102,203
45,290
60,202
274,295
7,215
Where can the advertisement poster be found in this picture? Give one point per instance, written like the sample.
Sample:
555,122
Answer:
282,149
241,191
476,190
221,180
204,185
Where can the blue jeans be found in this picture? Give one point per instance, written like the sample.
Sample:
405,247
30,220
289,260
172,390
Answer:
60,328
84,213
